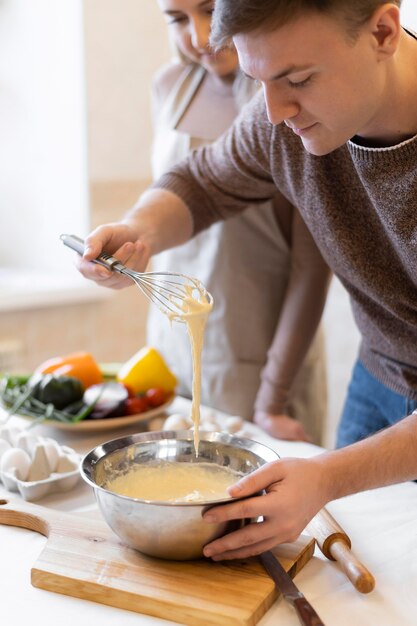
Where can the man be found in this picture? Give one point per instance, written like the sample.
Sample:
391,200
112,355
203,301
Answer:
336,133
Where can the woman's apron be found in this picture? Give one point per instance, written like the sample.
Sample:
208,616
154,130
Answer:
244,263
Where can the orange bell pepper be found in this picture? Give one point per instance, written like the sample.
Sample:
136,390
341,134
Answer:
80,365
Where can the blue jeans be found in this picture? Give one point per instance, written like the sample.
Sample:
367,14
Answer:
369,406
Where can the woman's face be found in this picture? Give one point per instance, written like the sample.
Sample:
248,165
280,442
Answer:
190,22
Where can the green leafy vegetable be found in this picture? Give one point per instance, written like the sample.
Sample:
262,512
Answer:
44,397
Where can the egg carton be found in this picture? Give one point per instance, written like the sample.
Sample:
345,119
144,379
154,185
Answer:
36,466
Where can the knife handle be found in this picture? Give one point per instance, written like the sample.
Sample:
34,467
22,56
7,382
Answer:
335,545
306,613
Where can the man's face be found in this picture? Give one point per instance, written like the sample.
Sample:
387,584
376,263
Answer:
322,85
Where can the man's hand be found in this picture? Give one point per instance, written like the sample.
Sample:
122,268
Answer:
295,492
160,220
119,240
281,426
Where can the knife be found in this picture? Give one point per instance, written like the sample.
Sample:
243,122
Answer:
284,583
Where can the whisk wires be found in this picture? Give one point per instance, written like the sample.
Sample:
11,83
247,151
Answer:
168,291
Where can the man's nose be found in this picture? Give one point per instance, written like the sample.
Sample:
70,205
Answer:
279,105
200,34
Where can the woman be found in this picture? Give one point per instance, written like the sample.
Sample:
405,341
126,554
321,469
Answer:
257,266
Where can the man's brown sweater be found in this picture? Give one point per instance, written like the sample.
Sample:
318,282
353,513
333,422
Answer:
360,205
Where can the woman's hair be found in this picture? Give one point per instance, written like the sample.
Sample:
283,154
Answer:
232,17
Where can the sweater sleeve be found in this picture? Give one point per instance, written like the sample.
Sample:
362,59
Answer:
300,316
220,180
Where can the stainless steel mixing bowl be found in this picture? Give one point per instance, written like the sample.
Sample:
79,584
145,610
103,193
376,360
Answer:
165,529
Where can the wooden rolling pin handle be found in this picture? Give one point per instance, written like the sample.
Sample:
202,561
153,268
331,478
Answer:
358,574
335,545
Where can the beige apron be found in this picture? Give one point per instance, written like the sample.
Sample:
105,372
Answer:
244,262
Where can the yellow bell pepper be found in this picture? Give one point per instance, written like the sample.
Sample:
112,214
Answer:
146,370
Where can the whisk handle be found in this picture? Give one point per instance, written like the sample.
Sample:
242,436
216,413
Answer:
77,244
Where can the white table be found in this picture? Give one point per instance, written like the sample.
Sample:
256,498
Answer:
382,525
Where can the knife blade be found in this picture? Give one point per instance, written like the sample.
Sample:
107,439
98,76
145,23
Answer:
284,583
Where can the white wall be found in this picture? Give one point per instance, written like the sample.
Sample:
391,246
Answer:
126,42
43,182
409,13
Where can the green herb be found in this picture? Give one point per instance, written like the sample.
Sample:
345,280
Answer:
38,398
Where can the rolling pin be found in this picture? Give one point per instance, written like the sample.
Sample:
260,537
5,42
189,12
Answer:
336,546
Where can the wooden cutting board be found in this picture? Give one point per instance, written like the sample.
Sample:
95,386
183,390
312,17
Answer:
85,559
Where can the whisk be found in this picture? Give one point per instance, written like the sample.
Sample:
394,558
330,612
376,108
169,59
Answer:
167,290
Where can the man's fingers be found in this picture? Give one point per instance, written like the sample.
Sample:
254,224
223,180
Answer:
258,480
243,509
130,254
91,250
245,551
110,239
93,271
247,541
96,242
249,508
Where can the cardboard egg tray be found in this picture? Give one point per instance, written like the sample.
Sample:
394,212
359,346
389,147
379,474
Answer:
35,466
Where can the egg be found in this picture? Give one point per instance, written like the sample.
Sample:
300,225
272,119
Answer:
4,445
156,424
210,418
245,432
177,422
17,460
68,450
10,434
233,424
67,463
209,427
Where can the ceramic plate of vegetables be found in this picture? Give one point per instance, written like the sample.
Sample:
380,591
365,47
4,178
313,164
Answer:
74,392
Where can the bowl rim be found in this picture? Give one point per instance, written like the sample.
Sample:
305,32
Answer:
96,454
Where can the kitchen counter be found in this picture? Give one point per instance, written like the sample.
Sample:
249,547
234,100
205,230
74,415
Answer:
382,525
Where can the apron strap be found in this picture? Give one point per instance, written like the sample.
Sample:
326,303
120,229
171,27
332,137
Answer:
181,96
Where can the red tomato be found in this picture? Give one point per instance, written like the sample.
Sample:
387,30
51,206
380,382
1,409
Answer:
138,404
156,396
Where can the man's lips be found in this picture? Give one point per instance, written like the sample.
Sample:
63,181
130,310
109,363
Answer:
302,130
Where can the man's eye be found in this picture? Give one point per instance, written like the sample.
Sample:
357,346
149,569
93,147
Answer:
300,83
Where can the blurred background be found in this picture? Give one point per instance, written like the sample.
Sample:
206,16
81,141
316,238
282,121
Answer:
75,132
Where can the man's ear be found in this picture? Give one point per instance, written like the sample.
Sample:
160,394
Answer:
386,29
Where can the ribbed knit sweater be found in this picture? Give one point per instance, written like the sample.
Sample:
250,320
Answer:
360,205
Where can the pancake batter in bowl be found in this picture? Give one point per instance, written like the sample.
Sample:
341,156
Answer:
174,482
